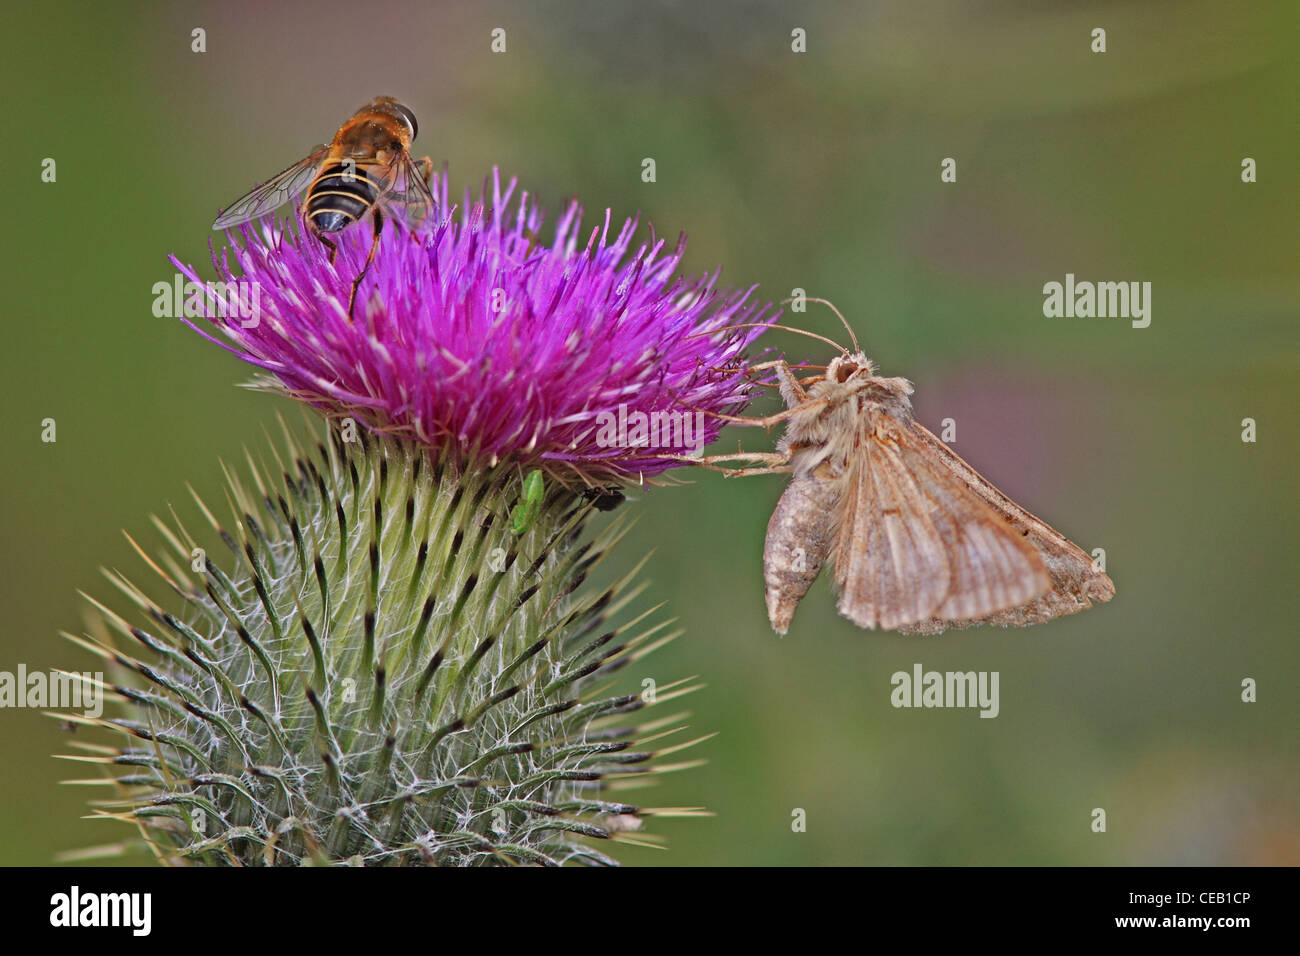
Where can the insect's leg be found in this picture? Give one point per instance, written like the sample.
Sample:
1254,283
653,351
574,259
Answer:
379,229
770,458
766,421
334,250
425,166
789,385
791,390
750,472
747,472
764,366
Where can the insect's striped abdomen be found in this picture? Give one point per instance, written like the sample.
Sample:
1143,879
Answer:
340,194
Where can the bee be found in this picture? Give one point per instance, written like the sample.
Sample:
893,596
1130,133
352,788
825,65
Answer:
919,540
367,167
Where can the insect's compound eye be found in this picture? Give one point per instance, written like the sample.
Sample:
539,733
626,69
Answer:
845,371
409,118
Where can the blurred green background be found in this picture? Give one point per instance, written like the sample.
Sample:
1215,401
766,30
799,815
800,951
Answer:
817,170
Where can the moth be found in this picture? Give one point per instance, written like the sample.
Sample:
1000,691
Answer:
919,541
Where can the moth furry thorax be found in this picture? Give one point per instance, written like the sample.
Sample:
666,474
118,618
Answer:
823,428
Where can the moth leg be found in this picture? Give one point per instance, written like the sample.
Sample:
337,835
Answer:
764,366
764,457
745,472
766,421
750,472
786,380
791,390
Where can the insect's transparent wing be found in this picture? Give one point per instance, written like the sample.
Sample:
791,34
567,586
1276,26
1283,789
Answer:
407,194
916,543
273,193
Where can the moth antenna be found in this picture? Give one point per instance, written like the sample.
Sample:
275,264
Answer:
802,367
769,325
831,305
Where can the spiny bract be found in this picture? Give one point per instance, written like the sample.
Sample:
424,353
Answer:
387,673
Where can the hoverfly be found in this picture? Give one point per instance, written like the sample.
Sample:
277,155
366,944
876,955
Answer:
366,167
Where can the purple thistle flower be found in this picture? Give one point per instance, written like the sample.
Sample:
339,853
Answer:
471,336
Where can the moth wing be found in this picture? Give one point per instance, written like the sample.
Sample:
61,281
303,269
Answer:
890,568
1075,582
917,544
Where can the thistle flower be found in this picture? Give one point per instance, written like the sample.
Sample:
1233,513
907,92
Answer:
471,335
399,662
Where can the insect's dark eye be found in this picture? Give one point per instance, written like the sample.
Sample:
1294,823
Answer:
410,119
845,371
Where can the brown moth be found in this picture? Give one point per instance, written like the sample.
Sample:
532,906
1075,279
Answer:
919,541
